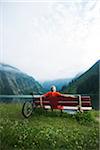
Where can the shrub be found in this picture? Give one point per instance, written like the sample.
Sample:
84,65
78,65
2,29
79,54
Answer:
85,118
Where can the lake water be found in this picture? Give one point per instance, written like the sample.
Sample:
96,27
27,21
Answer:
70,111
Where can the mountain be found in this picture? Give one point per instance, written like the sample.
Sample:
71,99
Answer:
59,83
13,81
87,83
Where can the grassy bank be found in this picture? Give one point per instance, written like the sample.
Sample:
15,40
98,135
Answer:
47,131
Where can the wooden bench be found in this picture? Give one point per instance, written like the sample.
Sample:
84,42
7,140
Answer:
65,102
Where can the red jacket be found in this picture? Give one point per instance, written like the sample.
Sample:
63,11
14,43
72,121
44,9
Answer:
52,94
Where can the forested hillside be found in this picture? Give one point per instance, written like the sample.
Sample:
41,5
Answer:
87,83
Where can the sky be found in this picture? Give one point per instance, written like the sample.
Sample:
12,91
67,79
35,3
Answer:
50,39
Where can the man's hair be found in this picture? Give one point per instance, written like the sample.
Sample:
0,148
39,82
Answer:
53,88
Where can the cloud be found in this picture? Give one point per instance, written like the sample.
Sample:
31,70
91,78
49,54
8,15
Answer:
51,39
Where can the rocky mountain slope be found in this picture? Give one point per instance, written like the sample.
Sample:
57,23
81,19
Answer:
13,81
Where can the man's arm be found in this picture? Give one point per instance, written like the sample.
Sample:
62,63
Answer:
68,95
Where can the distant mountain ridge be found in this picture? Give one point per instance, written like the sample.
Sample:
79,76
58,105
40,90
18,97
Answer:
87,83
59,83
13,81
7,67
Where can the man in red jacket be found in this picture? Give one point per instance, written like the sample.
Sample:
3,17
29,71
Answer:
53,93
49,94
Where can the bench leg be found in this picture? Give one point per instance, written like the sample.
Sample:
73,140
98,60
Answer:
61,112
46,111
51,109
80,109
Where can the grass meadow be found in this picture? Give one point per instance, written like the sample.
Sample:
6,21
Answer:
47,131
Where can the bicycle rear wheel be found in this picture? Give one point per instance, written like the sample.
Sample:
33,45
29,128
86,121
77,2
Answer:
27,109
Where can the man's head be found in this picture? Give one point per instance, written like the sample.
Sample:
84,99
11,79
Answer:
53,88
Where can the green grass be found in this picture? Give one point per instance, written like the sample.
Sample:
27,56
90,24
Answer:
47,131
